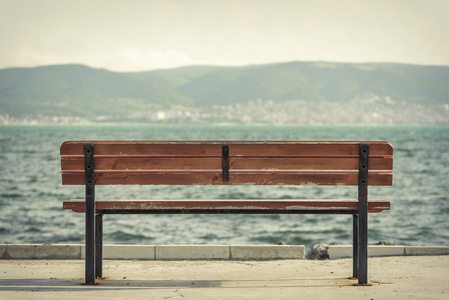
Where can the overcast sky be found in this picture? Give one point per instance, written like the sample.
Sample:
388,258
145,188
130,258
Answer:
135,35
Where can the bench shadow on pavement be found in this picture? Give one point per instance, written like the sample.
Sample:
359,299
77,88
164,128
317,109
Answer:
54,284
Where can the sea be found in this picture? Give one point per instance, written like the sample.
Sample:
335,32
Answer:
31,193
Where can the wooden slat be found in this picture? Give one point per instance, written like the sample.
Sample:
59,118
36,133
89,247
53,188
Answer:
236,163
308,163
235,148
144,163
236,178
228,205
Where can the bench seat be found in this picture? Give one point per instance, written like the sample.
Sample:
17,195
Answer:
218,206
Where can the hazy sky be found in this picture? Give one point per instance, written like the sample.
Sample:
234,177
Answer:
135,35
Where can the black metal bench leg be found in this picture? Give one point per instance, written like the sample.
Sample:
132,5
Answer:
363,249
90,212
90,245
363,213
99,245
355,246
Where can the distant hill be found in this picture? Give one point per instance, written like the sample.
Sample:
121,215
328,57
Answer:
320,81
77,90
174,78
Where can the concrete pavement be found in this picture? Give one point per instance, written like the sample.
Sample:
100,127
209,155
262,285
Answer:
398,277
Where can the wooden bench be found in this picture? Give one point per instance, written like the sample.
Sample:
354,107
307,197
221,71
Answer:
92,163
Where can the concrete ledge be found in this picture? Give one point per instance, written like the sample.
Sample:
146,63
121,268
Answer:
267,252
151,252
41,251
424,250
194,252
3,251
345,251
172,252
127,252
146,252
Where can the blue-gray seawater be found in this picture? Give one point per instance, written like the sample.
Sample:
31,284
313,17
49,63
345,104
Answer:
31,193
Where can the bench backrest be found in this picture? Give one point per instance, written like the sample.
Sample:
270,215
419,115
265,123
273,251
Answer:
225,163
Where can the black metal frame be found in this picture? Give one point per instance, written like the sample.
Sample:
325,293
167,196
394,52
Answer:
94,218
362,228
89,167
225,163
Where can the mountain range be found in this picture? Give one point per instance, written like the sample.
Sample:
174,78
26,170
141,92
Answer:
81,91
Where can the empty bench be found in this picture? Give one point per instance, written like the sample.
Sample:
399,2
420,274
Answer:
359,164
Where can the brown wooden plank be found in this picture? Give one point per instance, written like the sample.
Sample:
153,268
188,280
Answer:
229,205
144,163
235,148
308,163
210,163
236,178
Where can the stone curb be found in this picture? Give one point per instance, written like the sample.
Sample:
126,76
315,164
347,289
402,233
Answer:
152,252
195,252
345,251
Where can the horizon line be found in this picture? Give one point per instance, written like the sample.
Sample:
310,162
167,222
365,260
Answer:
220,65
